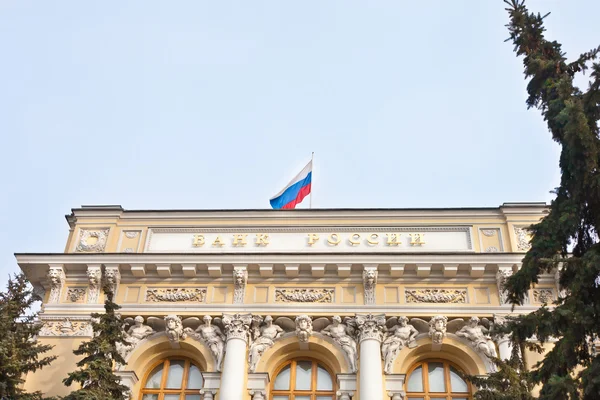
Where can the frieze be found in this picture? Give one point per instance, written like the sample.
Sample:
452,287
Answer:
66,327
92,241
436,295
174,295
303,295
75,295
543,295
522,239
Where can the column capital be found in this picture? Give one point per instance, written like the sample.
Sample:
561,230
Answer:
370,326
237,326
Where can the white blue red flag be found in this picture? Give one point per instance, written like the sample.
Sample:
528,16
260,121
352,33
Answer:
295,191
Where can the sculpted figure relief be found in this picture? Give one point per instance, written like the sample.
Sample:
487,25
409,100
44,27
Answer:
304,328
57,278
343,334
437,328
137,332
240,277
369,281
213,337
264,337
94,277
478,336
400,335
174,328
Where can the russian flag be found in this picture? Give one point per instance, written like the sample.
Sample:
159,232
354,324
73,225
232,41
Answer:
295,191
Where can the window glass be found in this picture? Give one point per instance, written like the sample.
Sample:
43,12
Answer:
303,375
194,378
282,382
437,382
175,376
457,384
324,381
415,382
166,381
155,378
303,379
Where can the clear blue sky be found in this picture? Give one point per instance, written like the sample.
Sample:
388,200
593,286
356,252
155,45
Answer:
217,104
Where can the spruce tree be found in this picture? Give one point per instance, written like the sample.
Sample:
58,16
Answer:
567,238
511,381
95,374
19,351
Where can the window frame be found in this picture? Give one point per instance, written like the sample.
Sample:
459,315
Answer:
426,394
162,391
292,393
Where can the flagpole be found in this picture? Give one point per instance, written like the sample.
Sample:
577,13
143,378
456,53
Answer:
312,158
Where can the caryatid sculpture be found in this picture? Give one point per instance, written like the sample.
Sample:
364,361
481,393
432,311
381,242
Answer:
343,335
304,328
478,337
265,337
213,337
396,338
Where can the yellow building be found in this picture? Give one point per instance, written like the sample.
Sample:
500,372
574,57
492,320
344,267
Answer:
362,304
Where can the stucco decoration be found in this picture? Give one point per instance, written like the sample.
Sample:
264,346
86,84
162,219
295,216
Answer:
304,327
492,249
56,275
369,283
176,295
370,326
92,241
304,295
75,295
131,234
240,279
135,332
522,238
174,328
66,327
543,295
263,337
94,274
501,276
399,335
478,336
112,277
237,326
435,295
212,336
343,334
488,232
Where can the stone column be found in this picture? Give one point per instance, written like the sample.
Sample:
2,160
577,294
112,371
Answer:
232,376
258,394
208,394
371,372
504,348
504,344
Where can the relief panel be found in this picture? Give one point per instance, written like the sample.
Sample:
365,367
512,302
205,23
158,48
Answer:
490,240
304,295
175,295
439,296
129,241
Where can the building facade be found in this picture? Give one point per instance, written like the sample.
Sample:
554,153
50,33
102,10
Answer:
362,304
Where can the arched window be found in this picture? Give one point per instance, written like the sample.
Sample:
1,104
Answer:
173,379
436,379
302,379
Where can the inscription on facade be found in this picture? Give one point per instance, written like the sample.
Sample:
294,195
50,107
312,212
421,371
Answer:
196,295
301,295
436,295
393,239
